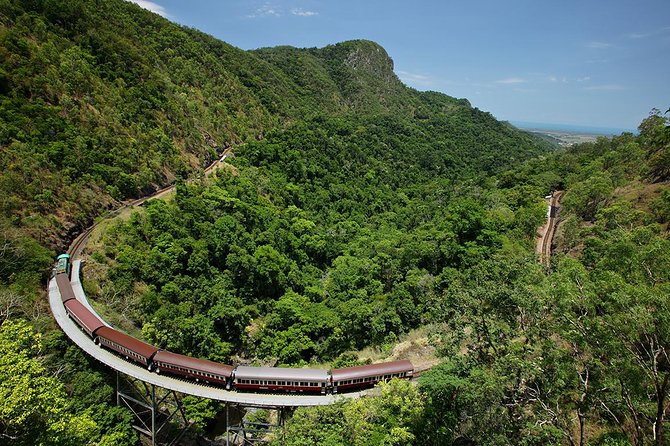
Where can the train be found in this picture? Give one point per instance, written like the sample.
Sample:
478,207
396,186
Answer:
232,377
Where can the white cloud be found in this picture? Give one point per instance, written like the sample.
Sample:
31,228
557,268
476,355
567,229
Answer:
151,6
598,45
267,10
412,76
302,13
416,79
511,81
553,78
636,36
645,35
584,79
606,87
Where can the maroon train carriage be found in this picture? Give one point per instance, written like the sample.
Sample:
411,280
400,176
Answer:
369,375
127,345
287,380
64,287
192,368
88,321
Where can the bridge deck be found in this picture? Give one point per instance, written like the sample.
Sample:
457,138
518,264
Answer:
108,358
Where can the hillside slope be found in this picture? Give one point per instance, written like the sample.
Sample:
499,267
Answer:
102,101
345,210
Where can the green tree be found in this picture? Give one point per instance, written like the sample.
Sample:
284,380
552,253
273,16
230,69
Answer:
34,408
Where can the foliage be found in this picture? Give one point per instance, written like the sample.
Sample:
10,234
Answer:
578,357
318,242
34,408
390,418
355,210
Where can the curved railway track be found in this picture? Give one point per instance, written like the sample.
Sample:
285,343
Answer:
168,382
79,243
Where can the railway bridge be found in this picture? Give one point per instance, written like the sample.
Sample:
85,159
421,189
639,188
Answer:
155,399
155,391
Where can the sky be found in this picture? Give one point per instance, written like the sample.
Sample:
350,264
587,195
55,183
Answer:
601,63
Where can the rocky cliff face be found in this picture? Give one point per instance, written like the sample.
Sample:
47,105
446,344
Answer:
372,59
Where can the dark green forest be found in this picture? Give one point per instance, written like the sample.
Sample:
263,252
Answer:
353,211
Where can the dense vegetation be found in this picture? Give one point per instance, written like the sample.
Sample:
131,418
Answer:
355,210
330,235
104,101
576,357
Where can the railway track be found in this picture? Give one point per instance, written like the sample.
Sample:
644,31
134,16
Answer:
544,248
76,249
79,243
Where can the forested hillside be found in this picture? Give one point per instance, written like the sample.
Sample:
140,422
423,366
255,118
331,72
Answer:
575,355
104,101
354,210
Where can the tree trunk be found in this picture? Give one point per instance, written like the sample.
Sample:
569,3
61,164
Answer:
660,411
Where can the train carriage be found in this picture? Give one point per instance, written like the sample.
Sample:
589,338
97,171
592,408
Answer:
83,316
192,368
64,287
280,379
126,345
368,375
240,377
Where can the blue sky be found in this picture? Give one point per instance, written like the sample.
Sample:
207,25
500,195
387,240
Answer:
586,62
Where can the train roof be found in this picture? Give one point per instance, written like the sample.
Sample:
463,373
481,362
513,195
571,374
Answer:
281,374
203,365
363,371
90,320
127,341
64,287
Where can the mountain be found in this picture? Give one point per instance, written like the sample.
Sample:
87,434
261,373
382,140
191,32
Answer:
104,101
350,206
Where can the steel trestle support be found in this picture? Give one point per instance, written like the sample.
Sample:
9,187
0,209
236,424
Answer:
245,432
153,409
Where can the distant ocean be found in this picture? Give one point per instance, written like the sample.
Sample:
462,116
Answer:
583,129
